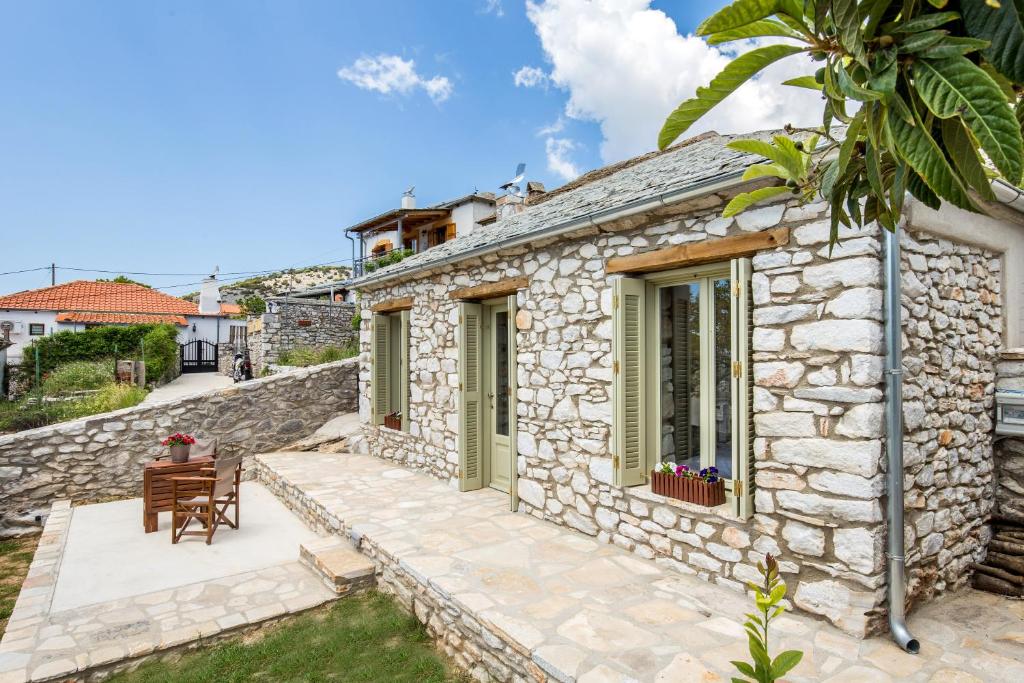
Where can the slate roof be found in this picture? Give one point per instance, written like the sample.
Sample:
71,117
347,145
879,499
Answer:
112,297
694,162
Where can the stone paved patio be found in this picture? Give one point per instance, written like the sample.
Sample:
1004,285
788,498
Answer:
99,591
512,597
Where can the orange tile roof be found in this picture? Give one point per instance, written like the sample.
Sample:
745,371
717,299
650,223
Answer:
113,297
121,318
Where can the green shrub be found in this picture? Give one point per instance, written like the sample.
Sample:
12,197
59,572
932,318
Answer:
161,352
304,356
109,398
25,414
95,343
78,375
253,305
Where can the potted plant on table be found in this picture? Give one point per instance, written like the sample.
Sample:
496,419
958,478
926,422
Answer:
705,487
181,446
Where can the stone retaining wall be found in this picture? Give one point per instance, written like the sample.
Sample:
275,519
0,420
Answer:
101,456
291,323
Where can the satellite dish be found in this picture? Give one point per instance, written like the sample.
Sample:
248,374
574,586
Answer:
514,183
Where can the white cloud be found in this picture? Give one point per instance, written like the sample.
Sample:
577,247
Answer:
389,74
493,7
553,128
625,66
558,150
529,77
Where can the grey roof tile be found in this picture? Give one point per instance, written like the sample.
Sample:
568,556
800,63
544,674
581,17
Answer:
700,161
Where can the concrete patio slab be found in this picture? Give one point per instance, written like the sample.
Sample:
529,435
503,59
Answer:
100,593
108,557
507,595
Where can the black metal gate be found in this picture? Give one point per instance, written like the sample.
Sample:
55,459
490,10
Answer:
199,355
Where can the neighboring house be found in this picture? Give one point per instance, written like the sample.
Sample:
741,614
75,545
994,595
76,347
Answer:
418,230
560,353
80,304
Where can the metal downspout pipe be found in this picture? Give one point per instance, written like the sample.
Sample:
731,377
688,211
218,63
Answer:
894,445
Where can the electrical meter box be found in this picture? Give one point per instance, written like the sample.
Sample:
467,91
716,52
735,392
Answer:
1010,413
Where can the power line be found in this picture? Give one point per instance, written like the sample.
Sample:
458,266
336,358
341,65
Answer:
27,270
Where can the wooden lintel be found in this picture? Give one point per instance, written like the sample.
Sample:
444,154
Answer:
489,290
699,252
391,305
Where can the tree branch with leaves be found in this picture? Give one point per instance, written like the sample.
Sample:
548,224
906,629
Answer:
928,92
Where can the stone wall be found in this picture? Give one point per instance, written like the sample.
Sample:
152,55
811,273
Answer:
952,326
102,456
817,371
292,323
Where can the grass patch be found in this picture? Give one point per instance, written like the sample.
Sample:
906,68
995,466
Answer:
304,356
366,637
32,411
15,557
77,376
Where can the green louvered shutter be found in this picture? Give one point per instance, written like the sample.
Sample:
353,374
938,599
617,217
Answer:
403,370
513,403
742,388
380,345
471,468
628,317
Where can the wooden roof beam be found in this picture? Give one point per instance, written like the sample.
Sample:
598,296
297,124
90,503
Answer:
490,290
696,253
392,305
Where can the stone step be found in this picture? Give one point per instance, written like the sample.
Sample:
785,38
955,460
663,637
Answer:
343,568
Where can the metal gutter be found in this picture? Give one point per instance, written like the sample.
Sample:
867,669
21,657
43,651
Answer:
894,445
592,219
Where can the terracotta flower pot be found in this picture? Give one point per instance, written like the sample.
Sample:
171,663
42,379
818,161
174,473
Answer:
179,452
689,489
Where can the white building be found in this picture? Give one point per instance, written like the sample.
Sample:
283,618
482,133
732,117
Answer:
81,304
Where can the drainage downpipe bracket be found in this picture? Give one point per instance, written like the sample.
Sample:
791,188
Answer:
894,446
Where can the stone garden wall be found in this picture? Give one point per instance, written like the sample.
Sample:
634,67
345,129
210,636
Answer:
298,323
953,327
102,456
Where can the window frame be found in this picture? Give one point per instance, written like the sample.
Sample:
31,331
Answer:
32,327
657,283
642,437
395,373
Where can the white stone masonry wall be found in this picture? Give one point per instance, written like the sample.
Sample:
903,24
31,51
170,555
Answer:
952,326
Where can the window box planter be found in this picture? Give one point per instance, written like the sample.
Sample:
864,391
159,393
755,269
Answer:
393,421
689,489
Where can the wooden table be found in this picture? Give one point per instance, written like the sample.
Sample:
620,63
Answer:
156,486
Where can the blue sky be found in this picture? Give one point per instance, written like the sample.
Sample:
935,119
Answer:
175,136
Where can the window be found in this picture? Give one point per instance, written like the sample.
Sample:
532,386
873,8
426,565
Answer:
36,329
390,369
682,391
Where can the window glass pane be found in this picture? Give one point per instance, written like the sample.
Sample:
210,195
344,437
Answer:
501,398
721,302
394,363
679,351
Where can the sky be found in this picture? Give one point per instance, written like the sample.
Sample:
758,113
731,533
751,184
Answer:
172,137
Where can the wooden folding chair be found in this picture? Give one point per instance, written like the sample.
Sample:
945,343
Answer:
220,490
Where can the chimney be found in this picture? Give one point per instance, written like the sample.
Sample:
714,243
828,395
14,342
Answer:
408,199
209,296
534,190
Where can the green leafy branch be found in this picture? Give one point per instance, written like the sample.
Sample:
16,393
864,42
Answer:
767,597
918,99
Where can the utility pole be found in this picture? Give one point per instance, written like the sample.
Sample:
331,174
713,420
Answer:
53,274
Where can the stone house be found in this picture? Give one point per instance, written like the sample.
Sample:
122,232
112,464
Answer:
561,353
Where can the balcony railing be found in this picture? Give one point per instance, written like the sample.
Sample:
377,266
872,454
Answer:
370,263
